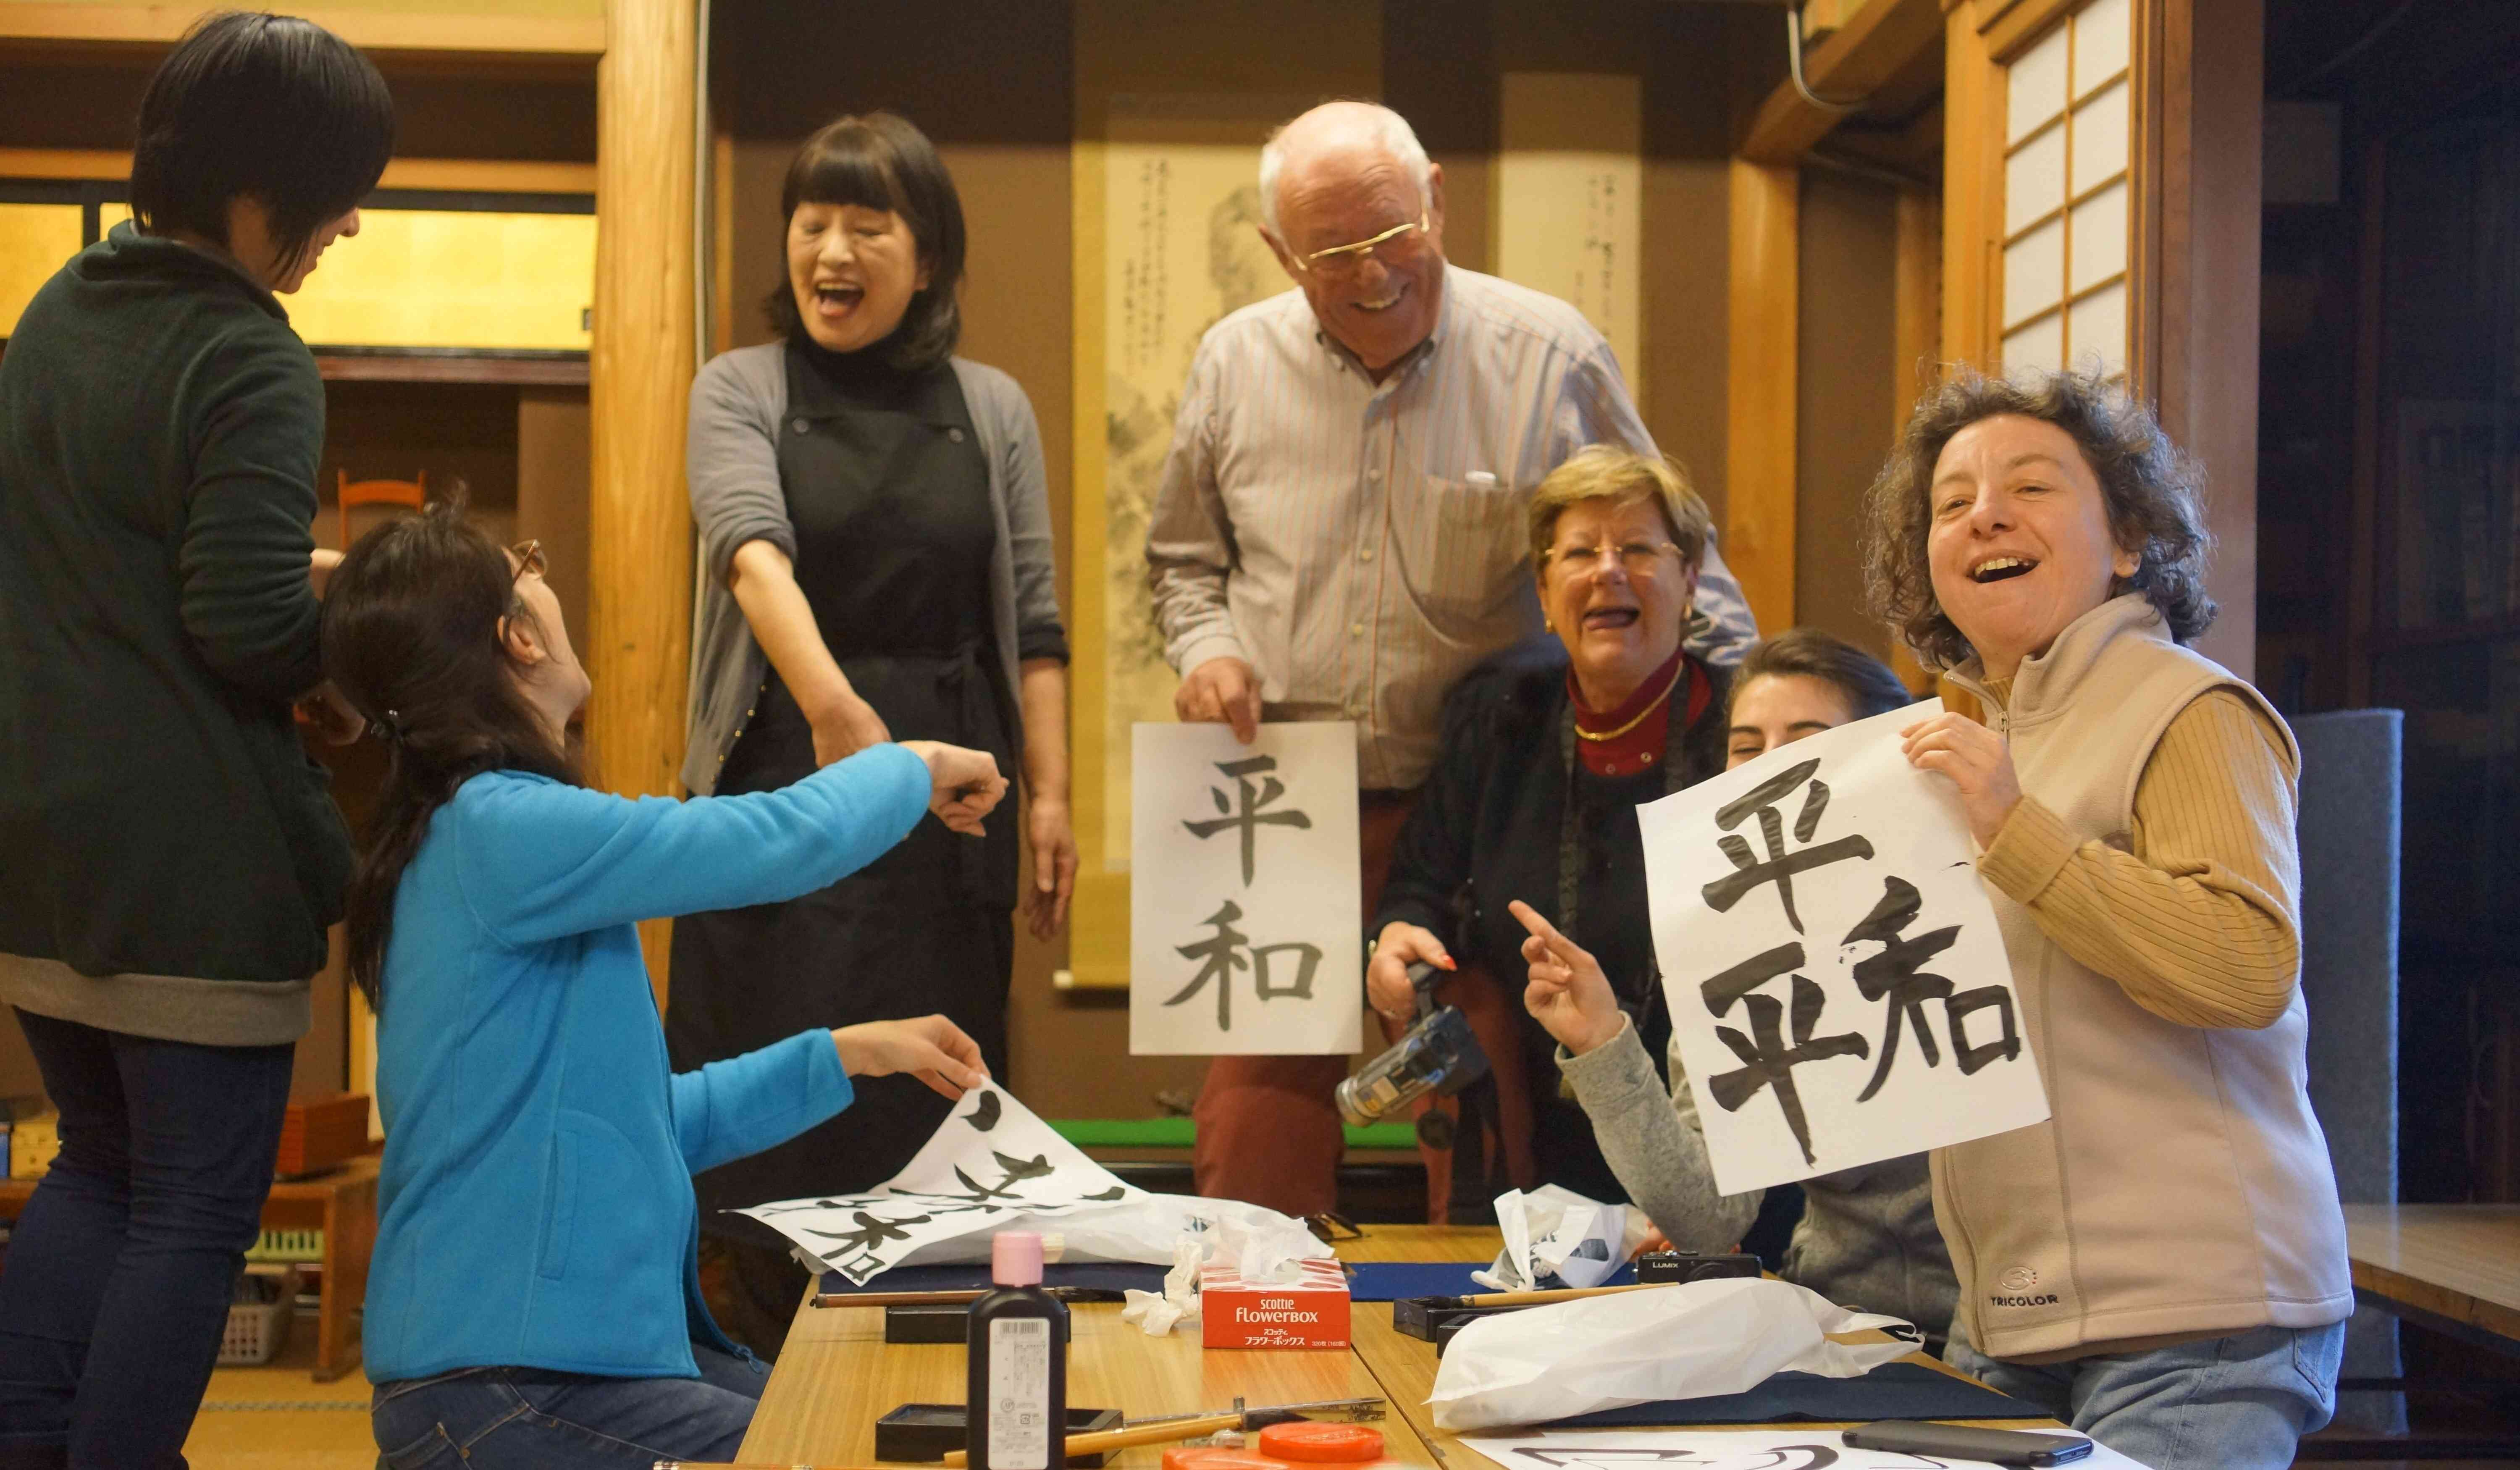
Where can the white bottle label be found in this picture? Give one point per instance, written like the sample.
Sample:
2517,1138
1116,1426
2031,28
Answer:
1019,1427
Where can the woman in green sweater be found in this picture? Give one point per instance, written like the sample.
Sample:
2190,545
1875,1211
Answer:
169,857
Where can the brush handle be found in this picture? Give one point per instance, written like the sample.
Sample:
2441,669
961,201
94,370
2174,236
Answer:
896,1298
1102,1441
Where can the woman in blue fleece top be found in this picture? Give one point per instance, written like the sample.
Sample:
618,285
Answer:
532,1300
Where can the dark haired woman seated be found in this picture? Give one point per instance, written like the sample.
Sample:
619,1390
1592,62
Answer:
533,1300
1865,1236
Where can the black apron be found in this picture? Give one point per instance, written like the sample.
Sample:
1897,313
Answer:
888,494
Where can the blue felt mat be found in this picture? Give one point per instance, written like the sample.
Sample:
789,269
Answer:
1390,1280
974,1276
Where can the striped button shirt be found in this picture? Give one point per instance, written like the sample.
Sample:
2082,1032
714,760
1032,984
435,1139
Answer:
1360,544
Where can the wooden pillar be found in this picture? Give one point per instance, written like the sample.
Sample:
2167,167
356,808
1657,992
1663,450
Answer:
1762,315
638,643
1917,322
2203,141
1972,190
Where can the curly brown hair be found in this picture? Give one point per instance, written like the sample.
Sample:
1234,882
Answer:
2154,493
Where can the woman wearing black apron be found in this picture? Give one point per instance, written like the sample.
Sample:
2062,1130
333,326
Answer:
874,515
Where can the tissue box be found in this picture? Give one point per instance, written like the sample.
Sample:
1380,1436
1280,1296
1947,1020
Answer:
1312,1311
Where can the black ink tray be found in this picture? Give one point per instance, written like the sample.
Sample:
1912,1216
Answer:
924,1432
1426,1318
928,1322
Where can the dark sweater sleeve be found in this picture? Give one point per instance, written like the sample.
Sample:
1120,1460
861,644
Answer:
1431,859
249,515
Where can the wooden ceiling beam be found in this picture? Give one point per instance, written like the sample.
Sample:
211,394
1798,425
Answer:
1878,43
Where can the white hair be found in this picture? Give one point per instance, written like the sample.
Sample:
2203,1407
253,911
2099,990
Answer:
1384,129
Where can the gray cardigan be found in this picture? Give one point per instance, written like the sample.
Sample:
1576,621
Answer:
732,456
1867,1236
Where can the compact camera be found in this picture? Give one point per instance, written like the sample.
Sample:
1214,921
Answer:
1665,1268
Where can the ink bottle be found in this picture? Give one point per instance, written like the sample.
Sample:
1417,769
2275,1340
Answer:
1018,1390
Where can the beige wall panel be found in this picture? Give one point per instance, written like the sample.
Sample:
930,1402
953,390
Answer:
1568,203
1685,273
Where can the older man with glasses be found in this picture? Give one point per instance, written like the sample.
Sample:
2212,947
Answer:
1339,533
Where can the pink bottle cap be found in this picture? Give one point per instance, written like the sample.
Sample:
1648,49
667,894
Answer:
1015,1258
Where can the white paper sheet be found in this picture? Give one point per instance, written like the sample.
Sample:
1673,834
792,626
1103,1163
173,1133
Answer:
991,1160
1762,1448
1244,892
1837,985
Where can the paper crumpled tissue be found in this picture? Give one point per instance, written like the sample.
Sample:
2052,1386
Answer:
1158,1313
1263,1247
1554,1237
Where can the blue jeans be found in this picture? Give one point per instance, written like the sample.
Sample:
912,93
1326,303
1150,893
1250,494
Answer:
536,1419
2237,1403
122,1269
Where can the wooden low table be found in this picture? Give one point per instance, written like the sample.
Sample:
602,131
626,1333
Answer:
837,1375
342,1202
2453,1267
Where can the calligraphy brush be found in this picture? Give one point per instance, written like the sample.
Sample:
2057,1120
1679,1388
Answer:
1540,1298
954,1298
1172,1428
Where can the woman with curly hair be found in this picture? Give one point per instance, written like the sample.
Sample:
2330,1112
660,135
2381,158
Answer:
2162,1262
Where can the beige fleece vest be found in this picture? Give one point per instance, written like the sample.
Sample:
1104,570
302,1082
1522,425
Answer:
2181,1186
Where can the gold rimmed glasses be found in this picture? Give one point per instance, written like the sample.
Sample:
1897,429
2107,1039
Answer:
1341,261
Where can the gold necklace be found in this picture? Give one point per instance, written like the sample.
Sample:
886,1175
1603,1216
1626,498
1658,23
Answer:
1677,675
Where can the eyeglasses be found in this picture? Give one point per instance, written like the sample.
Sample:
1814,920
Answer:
1638,558
529,558
1340,262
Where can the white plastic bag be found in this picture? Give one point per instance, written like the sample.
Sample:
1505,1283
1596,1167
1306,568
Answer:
1557,1238
1691,1340
1142,1229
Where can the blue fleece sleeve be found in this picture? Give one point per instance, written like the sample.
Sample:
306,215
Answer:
747,1103
541,861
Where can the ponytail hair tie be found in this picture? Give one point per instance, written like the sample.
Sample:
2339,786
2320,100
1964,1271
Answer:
389,728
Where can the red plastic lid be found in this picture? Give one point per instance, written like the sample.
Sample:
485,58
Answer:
1310,1441
1213,1457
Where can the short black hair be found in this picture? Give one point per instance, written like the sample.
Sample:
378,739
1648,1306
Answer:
267,107
882,161
1868,684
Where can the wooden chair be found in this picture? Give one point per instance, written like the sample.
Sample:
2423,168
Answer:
412,494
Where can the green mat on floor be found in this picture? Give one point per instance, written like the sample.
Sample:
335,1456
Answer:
1177,1132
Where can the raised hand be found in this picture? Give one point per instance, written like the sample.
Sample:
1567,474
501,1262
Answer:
932,1048
964,784
1568,995
1974,758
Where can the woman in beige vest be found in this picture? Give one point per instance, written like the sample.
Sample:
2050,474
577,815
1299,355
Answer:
2162,1262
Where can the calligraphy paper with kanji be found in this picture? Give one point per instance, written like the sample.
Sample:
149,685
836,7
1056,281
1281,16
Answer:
991,1163
1838,990
1245,935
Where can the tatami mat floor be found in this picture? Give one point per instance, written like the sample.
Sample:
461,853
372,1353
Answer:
280,1419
